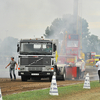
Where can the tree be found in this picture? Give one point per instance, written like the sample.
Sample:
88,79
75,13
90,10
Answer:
67,23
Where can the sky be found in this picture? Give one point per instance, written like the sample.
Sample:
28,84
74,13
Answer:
29,18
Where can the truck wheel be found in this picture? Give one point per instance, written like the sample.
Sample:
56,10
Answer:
23,78
64,75
50,78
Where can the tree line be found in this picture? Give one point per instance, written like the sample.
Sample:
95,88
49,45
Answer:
59,27
90,42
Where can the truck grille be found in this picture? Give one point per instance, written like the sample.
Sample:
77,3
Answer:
35,61
35,68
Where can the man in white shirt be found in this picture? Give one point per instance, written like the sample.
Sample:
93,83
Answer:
98,65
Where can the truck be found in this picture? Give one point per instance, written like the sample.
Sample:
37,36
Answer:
90,58
36,58
96,58
93,61
70,59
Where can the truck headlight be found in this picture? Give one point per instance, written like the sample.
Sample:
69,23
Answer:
47,69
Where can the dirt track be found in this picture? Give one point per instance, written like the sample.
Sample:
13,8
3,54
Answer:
9,87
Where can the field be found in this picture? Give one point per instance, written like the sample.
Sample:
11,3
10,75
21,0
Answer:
10,87
71,92
68,90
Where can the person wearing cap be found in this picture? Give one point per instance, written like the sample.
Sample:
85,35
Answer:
12,68
98,65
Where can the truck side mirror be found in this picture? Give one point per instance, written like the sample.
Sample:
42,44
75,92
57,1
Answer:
54,47
17,47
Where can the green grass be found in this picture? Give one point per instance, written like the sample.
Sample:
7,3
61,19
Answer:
44,94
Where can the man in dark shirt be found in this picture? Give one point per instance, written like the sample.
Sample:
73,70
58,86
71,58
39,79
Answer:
12,68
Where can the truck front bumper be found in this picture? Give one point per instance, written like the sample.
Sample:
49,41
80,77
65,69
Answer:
23,73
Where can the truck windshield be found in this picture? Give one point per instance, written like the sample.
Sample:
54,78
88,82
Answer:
36,48
72,43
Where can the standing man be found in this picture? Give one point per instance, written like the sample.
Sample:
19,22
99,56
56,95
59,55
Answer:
98,65
12,68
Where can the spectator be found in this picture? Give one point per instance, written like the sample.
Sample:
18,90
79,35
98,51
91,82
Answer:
12,68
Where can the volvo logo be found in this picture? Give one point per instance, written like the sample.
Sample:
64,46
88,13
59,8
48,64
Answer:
36,61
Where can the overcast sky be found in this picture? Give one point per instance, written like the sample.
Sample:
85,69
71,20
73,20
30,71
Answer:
29,18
